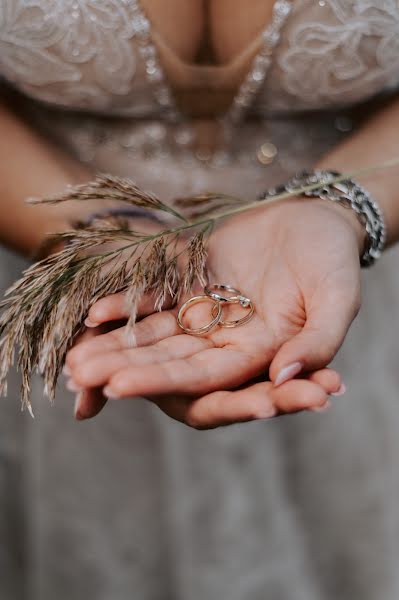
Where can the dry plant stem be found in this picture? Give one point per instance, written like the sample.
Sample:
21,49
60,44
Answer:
107,187
44,311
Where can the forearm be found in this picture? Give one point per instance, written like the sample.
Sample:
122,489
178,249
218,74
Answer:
376,142
29,166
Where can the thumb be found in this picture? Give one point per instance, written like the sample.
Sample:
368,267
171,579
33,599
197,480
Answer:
315,346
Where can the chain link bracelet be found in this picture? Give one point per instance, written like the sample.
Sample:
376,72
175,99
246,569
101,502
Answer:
349,194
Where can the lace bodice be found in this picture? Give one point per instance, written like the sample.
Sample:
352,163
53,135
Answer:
88,56
84,54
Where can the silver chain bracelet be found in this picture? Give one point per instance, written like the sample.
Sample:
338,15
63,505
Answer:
349,194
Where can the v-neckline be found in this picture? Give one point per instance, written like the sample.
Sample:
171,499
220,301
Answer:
243,75
198,75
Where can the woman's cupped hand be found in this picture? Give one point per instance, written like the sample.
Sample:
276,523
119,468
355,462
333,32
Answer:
298,261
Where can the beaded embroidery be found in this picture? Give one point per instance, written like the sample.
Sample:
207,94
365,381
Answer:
97,55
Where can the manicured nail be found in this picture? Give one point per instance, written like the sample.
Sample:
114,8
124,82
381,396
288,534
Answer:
77,413
342,390
72,386
90,323
66,370
288,373
108,393
322,409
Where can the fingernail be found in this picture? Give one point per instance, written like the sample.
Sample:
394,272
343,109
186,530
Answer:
288,373
108,393
341,391
66,370
72,386
77,413
322,409
90,323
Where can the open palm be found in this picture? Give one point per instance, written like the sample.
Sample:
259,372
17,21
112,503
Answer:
299,264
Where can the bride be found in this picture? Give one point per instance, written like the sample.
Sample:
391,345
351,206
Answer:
185,97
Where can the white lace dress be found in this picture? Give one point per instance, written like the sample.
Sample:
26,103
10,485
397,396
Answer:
133,505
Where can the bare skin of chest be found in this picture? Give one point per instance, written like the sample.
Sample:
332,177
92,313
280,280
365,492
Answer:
226,27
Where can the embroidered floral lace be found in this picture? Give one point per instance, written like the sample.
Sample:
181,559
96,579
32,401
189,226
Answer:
84,53
90,55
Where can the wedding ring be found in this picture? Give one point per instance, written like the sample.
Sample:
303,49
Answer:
237,298
216,314
238,322
212,295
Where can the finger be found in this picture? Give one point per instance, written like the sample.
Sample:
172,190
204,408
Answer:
314,347
98,369
89,403
110,308
329,380
256,402
85,337
201,373
149,331
114,308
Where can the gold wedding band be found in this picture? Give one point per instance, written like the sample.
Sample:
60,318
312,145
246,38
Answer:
238,322
212,294
196,300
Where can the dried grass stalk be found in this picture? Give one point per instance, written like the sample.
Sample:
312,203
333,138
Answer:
108,187
44,310
196,261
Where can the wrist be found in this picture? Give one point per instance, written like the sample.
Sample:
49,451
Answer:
133,218
343,191
350,217
323,219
